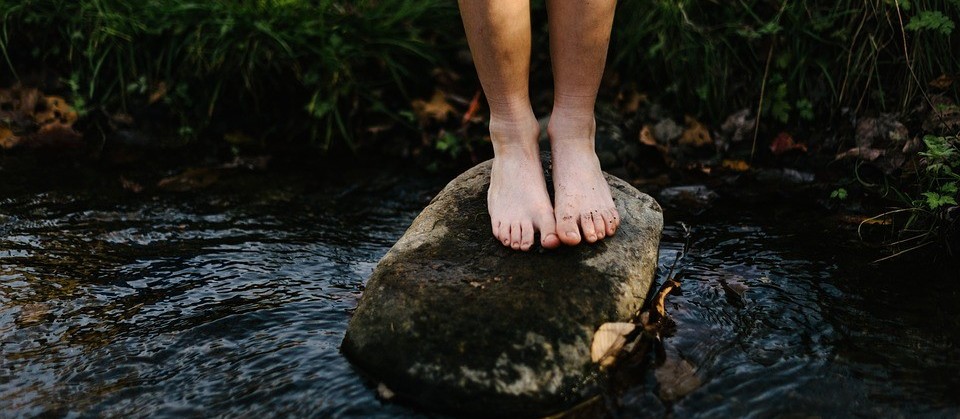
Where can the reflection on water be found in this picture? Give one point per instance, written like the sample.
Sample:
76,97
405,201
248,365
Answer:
234,300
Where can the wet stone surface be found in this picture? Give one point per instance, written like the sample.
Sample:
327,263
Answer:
454,320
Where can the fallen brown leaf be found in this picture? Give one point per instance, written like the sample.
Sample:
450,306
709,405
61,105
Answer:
472,109
784,143
631,101
608,341
190,179
437,109
130,185
7,139
859,220
55,135
646,137
159,92
29,98
735,165
944,118
54,109
696,134
866,153
943,82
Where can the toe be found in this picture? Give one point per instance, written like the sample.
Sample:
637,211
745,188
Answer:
598,224
586,224
504,235
495,228
515,235
568,230
526,235
612,221
548,231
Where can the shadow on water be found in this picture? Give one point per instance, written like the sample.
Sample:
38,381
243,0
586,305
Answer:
234,299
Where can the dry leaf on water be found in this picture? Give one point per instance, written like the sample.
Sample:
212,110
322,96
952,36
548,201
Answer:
608,341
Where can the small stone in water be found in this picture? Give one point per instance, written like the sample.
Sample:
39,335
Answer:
385,392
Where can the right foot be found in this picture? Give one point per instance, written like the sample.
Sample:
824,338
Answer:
517,200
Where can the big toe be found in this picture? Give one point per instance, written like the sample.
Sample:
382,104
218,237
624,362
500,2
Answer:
548,231
568,230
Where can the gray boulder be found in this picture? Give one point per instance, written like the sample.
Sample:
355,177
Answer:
454,321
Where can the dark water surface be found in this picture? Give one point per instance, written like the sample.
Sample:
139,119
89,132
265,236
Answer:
233,300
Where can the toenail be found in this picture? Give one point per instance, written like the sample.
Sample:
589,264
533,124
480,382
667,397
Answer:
571,234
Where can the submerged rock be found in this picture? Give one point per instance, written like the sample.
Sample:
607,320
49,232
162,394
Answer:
453,320
694,199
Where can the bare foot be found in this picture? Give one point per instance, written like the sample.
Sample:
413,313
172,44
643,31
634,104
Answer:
517,200
583,201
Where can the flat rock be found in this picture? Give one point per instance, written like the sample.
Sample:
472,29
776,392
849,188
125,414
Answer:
454,321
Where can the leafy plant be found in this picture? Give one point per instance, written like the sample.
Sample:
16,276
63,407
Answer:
814,58
940,176
935,197
931,20
290,68
839,193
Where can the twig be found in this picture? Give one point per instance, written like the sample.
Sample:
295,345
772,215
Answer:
763,88
877,217
902,252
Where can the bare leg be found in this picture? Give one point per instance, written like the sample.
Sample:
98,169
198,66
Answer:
498,32
579,35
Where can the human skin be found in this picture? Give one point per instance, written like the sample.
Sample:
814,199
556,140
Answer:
499,35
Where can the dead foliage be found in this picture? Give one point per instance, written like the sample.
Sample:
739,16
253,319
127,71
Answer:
618,344
30,119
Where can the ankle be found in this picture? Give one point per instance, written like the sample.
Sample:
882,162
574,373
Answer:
572,129
514,133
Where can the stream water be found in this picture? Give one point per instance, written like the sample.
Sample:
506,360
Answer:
232,301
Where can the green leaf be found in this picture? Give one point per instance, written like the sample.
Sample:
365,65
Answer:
935,200
805,107
839,193
948,188
932,20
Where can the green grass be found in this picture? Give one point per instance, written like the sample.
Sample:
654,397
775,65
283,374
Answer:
305,69
323,71
809,58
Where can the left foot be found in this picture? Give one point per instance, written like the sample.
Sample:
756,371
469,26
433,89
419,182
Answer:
583,205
